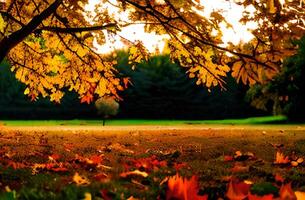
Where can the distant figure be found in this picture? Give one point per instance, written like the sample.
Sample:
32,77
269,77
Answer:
106,107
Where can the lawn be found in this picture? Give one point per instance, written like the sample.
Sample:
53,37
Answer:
148,162
132,122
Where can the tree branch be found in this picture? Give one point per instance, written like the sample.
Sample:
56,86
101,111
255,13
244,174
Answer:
12,40
76,29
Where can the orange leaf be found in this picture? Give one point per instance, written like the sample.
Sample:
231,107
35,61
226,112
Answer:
300,195
281,158
95,160
88,98
237,190
54,157
228,158
286,192
183,189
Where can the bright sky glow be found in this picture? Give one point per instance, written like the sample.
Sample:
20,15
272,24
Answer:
232,12
236,33
131,33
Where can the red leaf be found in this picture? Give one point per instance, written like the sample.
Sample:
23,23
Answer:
279,178
95,159
286,192
237,190
88,98
54,157
183,189
59,169
228,158
256,197
149,163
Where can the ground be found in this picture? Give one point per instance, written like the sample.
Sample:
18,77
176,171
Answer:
55,161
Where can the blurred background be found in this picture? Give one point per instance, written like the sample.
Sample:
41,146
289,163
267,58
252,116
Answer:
161,89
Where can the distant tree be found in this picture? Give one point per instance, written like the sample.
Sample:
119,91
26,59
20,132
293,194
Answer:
15,105
162,89
106,107
285,94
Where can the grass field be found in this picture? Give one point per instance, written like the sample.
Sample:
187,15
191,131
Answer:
46,162
133,122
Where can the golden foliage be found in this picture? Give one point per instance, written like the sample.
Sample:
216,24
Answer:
50,44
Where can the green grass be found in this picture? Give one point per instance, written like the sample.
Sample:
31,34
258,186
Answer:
114,122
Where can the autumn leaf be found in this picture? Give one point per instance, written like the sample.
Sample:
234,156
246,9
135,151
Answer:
237,190
149,163
300,195
280,158
257,197
183,189
54,157
2,24
286,192
279,178
80,180
134,173
88,196
88,98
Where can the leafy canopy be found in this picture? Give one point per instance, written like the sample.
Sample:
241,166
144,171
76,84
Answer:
50,43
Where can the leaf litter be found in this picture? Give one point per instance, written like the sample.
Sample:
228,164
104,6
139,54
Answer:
115,170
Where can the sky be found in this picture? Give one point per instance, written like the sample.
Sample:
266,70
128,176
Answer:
231,11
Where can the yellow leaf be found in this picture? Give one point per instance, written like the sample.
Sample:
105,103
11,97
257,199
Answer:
2,24
132,173
26,91
88,196
272,8
299,195
80,180
236,69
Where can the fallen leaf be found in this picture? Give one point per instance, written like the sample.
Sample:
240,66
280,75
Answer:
95,159
256,197
300,195
54,157
134,173
286,192
294,163
80,180
149,163
279,178
280,158
300,160
182,189
237,190
88,196
228,158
